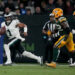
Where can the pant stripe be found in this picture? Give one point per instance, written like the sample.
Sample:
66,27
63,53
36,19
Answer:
12,42
59,42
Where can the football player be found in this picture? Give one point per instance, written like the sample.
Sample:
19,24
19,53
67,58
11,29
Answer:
51,37
66,38
13,38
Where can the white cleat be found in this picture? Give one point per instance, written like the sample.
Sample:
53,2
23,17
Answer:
72,65
40,60
70,61
8,63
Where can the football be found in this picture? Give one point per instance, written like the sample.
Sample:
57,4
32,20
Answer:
2,30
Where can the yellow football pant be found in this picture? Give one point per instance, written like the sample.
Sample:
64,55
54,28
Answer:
68,42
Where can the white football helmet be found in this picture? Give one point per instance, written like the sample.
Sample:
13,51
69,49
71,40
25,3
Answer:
8,18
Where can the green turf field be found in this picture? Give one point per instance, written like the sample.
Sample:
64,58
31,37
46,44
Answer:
33,69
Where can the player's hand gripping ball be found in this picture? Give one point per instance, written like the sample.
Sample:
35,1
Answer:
2,30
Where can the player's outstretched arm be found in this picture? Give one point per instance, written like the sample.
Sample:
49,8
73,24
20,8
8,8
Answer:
22,25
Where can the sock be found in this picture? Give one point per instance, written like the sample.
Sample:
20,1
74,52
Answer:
30,55
70,60
58,53
72,55
55,54
7,51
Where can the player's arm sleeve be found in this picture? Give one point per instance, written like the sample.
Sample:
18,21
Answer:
66,27
25,29
19,24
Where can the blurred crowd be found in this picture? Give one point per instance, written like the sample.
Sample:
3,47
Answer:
31,7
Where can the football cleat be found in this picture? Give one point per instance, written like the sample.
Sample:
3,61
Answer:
52,64
72,65
40,60
7,63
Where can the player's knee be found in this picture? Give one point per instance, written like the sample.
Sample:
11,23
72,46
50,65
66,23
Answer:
6,46
26,53
63,42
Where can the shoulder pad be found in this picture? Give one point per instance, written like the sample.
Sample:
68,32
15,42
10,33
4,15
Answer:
62,19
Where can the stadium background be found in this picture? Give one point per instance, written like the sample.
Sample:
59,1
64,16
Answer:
35,21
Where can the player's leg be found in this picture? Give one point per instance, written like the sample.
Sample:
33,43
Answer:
71,49
28,54
72,58
8,43
51,52
33,56
46,53
53,62
60,43
8,54
13,52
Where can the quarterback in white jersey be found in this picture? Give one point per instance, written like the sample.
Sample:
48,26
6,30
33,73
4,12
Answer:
13,38
12,29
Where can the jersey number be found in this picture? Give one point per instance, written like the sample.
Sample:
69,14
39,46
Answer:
9,33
